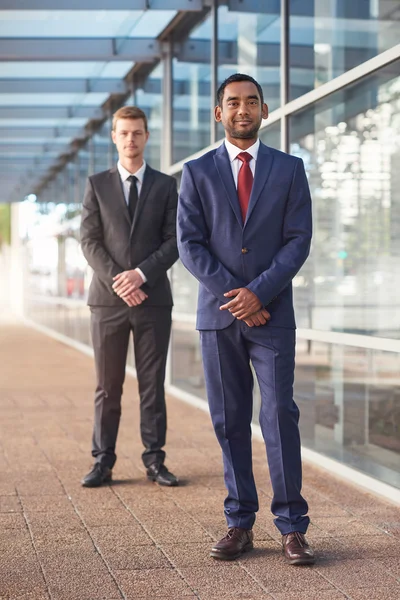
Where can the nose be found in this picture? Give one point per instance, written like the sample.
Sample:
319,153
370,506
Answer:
243,109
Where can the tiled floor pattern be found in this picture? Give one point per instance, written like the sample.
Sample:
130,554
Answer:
133,540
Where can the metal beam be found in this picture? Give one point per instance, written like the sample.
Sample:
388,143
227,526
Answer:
62,86
102,5
97,49
50,112
51,133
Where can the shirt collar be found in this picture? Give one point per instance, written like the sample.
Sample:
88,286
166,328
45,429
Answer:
125,174
233,150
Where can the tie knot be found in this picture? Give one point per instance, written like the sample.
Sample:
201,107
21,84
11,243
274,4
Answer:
245,157
132,179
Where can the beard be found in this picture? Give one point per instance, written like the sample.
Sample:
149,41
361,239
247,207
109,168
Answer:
243,134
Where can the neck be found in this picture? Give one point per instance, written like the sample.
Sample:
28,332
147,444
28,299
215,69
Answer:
243,144
131,164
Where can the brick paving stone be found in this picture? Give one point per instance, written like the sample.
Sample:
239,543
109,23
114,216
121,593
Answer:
382,593
136,540
230,581
355,573
311,595
345,526
10,504
133,558
149,583
276,576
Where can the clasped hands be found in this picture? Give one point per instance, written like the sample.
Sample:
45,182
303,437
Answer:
127,286
246,307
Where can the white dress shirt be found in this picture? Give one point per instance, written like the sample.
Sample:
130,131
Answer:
124,174
236,163
126,185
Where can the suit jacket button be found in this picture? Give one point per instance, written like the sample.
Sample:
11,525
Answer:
244,250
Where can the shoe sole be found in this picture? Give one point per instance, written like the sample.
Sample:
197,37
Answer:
220,556
90,485
154,480
300,561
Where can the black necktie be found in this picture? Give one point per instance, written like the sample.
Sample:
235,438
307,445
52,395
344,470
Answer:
133,196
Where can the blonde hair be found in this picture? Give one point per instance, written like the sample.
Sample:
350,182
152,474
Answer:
129,112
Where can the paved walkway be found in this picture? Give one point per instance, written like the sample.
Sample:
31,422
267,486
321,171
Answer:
134,540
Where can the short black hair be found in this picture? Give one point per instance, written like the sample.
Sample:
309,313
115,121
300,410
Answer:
233,79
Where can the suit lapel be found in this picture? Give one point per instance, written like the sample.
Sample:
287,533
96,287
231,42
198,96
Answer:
223,166
116,191
263,169
148,180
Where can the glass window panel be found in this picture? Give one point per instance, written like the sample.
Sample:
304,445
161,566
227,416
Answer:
191,97
271,135
93,99
249,42
148,97
349,401
68,23
331,37
186,364
64,69
83,23
350,144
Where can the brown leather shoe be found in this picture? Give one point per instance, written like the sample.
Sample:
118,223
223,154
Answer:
236,542
296,549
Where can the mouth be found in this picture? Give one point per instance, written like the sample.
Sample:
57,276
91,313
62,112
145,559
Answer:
243,122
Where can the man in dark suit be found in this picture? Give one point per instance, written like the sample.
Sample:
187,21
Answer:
244,231
128,237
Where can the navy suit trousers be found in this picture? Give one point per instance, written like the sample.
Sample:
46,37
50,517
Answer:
227,355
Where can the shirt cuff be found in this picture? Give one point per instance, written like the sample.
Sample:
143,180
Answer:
142,275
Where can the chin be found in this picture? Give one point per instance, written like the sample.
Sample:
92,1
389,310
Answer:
244,135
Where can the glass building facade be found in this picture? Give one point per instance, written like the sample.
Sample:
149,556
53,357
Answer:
331,75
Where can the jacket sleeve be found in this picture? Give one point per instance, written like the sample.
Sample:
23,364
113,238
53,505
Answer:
92,238
164,257
297,232
193,244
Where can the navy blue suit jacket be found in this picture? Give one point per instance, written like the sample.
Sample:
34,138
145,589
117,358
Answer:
264,253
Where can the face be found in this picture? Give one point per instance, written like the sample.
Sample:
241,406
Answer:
130,137
241,112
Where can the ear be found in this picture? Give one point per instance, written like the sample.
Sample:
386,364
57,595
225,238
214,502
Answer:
113,137
264,111
217,114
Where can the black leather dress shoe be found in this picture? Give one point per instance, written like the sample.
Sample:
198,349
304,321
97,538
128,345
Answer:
236,542
98,475
161,475
297,550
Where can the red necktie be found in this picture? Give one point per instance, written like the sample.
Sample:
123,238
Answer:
245,183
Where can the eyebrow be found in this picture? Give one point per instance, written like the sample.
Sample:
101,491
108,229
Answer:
254,97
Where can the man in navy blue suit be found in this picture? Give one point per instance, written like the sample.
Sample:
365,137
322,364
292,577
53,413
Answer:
244,231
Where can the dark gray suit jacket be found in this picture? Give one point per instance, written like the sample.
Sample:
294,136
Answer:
112,244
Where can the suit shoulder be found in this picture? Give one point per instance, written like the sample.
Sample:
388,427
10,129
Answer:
202,161
99,177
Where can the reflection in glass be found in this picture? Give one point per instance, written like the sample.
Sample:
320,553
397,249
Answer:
350,144
330,38
349,400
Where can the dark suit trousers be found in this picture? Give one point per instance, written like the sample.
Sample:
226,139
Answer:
111,328
226,356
